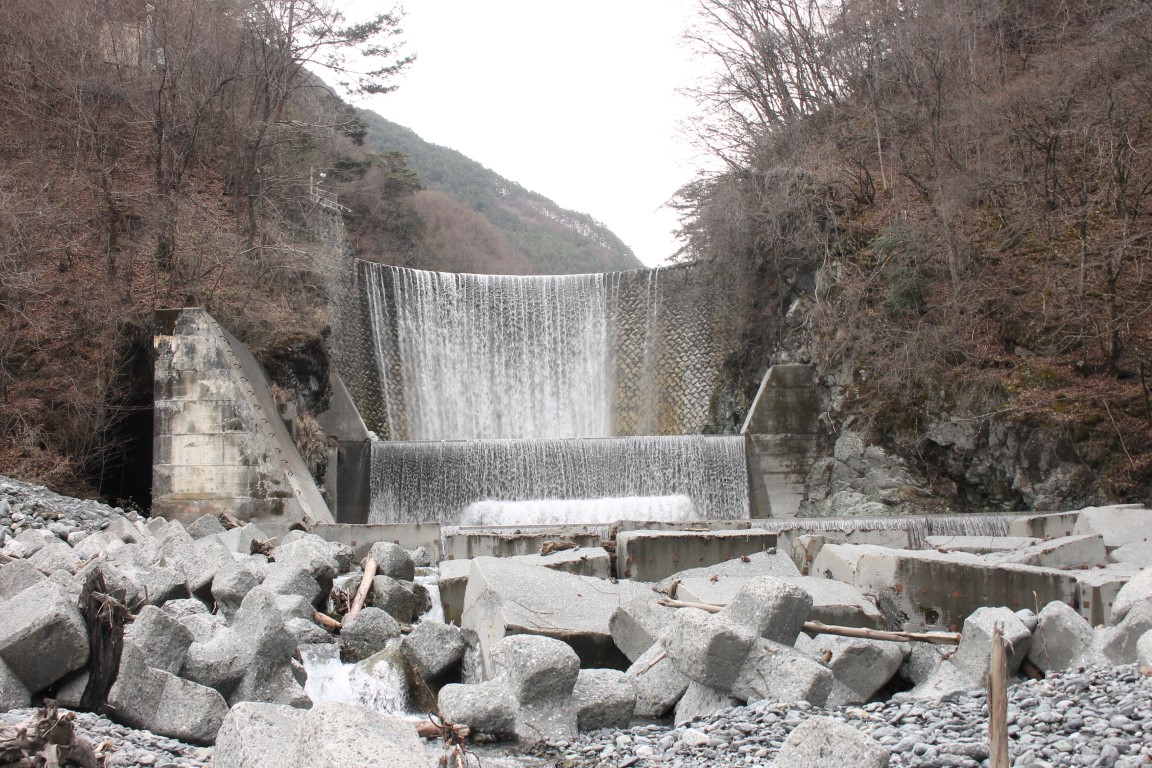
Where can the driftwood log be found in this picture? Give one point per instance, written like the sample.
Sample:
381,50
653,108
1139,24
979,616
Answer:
820,628
46,739
362,593
104,617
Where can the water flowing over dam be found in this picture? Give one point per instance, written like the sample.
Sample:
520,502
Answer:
510,390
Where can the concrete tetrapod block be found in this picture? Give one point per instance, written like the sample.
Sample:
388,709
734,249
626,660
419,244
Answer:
1144,650
433,649
1080,551
1138,588
659,685
529,698
604,698
504,597
706,648
393,560
638,624
974,657
770,608
367,634
821,742
161,637
42,637
13,694
779,673
946,681
861,667
254,734
163,703
337,735
701,701
1060,638
17,576
654,555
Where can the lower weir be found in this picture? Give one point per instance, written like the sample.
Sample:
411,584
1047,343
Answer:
438,481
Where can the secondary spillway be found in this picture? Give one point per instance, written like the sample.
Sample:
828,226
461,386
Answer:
420,481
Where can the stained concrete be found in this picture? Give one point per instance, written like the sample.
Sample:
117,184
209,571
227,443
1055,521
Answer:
654,555
220,444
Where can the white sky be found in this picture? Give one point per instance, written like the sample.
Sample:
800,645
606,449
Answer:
575,100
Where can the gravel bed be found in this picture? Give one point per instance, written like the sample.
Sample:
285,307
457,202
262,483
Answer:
128,746
1094,717
24,506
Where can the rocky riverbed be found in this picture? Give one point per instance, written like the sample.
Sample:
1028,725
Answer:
1099,716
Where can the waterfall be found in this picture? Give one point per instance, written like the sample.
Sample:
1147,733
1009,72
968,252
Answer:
464,357
438,480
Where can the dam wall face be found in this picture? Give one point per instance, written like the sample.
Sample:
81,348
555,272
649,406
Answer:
438,356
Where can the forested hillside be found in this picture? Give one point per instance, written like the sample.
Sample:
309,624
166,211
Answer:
946,205
548,238
182,153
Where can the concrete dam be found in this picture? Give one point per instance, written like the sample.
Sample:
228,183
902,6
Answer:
462,399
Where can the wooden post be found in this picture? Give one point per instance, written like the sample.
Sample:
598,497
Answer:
362,592
998,703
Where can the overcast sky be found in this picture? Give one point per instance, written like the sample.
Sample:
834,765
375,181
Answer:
575,100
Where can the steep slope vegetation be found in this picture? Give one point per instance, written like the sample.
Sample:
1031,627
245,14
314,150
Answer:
947,206
552,240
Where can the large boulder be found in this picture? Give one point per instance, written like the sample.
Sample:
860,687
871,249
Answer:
1062,636
392,560
161,637
367,634
1118,643
434,650
13,693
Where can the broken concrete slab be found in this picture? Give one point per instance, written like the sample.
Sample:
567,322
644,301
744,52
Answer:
463,543
43,636
505,597
1138,553
822,742
926,589
974,657
803,544
979,545
738,569
1078,551
1047,526
706,648
604,698
583,561
1119,524
638,624
654,555
453,585
1097,589
779,673
659,684
1061,637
